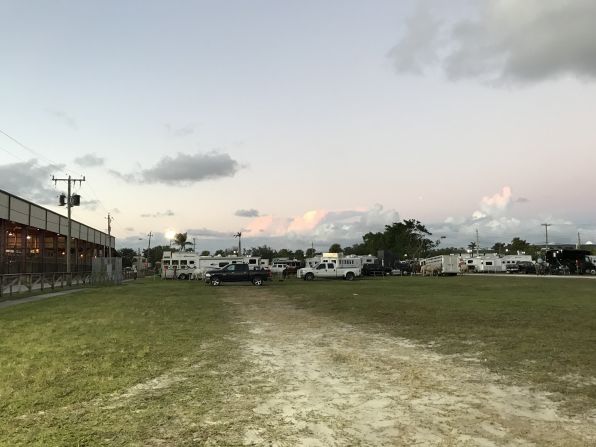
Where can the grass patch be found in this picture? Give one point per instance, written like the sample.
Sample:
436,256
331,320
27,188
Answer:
127,365
541,331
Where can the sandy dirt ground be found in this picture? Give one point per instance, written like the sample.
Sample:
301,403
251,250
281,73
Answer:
314,381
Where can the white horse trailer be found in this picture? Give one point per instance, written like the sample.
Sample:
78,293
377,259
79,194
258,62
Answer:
442,264
179,265
184,265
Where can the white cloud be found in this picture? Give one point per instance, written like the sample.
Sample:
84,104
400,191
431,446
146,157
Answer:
325,225
166,213
247,213
89,160
505,40
31,181
185,169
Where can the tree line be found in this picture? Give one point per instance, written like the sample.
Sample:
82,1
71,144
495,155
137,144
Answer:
408,239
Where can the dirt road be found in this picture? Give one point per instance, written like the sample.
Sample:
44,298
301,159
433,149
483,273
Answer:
316,382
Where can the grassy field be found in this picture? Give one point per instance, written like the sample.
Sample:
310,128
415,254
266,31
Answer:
133,364
70,364
536,330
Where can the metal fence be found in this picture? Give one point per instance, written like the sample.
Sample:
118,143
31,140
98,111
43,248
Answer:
19,283
106,271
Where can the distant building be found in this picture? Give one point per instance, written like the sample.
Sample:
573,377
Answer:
33,239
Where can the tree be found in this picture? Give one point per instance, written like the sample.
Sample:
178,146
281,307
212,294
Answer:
127,255
310,253
472,246
155,254
335,248
499,247
180,241
264,252
520,245
205,253
299,254
406,238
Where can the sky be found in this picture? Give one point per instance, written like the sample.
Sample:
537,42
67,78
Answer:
304,123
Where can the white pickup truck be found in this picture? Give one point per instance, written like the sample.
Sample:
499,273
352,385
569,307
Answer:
328,270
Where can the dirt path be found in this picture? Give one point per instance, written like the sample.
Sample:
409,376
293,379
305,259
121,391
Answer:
317,382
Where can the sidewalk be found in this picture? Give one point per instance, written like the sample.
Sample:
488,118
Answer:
30,299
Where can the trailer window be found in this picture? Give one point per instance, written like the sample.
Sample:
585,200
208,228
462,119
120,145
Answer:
183,262
191,262
175,262
166,262
252,261
489,262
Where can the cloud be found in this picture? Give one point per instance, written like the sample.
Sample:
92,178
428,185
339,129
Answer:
504,41
166,213
326,225
495,204
64,117
31,181
205,232
89,160
184,169
495,222
129,229
189,129
418,48
247,213
90,204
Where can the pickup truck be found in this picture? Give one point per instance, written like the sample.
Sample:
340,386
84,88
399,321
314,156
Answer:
236,273
328,270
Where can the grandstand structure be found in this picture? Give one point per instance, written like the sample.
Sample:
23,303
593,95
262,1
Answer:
33,239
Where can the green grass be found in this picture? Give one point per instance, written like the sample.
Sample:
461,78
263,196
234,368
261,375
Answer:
66,360
531,330
70,364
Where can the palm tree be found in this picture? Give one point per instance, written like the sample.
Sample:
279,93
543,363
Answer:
180,241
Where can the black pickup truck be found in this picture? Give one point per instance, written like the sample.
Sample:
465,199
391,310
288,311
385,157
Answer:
236,273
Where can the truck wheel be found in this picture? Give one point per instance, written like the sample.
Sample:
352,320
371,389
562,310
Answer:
257,281
215,281
309,277
349,276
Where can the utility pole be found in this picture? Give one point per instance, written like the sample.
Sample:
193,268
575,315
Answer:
149,246
546,225
579,241
477,244
69,204
110,219
239,236
194,244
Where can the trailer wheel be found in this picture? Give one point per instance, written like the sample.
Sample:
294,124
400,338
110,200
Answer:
215,281
309,277
349,276
183,277
257,281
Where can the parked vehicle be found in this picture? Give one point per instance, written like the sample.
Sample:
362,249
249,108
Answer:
329,270
237,273
185,265
179,265
524,267
441,265
374,270
402,268
570,261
